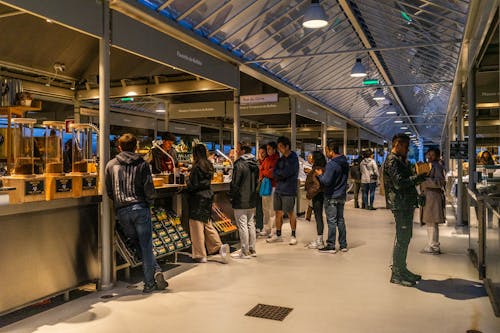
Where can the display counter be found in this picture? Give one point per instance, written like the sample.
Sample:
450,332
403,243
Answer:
46,249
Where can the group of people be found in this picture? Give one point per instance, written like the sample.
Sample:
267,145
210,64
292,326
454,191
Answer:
271,179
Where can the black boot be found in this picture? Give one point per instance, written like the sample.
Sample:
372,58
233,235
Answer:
412,276
398,277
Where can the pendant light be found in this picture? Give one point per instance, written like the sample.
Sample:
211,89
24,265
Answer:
315,16
379,95
358,70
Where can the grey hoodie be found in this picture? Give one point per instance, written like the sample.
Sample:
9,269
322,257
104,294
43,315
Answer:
129,181
243,187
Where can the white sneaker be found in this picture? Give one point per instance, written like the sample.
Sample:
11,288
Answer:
201,260
224,251
264,233
240,255
293,241
274,239
253,253
316,244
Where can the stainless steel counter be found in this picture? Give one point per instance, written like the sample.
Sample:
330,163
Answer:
47,248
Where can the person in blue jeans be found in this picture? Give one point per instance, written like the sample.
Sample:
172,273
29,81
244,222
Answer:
130,185
334,181
369,178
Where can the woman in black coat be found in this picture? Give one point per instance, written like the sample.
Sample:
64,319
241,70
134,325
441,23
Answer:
200,198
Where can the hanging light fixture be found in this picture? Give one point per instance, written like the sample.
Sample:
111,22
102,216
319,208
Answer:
358,70
379,95
315,16
160,108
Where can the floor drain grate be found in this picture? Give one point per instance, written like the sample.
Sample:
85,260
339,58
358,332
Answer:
473,331
269,312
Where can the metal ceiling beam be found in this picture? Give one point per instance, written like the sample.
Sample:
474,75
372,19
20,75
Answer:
190,10
212,14
155,89
219,28
362,35
371,49
165,5
443,7
380,86
9,14
421,9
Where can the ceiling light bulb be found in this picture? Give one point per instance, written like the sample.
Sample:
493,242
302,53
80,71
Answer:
358,70
398,121
315,16
391,112
404,127
379,95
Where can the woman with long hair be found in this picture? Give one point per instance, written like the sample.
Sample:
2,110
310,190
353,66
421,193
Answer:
314,192
200,198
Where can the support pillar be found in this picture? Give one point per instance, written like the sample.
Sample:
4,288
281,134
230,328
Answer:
167,116
106,225
324,138
471,101
359,141
460,168
293,124
236,118
76,111
344,147
257,142
221,137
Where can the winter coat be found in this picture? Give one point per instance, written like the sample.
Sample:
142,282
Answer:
128,180
355,171
286,174
432,188
161,162
334,179
267,166
200,194
313,185
243,187
399,183
368,168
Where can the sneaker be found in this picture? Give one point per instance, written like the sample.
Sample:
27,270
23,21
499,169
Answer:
412,276
402,280
148,289
431,250
224,251
253,253
328,249
264,233
293,241
274,239
161,283
344,249
200,260
240,255
313,245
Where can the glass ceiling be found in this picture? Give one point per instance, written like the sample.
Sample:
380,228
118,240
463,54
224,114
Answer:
419,43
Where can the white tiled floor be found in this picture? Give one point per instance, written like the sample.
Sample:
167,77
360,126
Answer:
345,292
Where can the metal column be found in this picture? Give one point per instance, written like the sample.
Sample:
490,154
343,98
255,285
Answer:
105,214
460,167
359,141
236,118
323,137
221,137
471,101
344,148
257,142
76,111
293,124
167,116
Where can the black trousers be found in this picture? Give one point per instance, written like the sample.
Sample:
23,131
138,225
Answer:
357,187
404,232
317,203
259,216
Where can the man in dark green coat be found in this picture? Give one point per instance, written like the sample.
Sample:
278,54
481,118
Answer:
400,184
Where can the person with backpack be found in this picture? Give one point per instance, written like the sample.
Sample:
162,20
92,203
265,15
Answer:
243,195
314,192
266,171
369,178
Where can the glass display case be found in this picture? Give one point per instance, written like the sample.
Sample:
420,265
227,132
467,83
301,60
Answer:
54,131
83,160
24,150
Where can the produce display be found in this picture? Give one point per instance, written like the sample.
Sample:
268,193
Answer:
168,236
221,222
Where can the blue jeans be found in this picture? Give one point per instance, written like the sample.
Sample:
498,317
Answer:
370,187
135,221
334,209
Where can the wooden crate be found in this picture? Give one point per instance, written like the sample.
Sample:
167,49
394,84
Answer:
28,189
58,187
85,185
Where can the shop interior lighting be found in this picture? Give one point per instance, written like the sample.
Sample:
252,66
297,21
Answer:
358,70
73,85
160,108
315,16
132,93
48,21
379,95
371,82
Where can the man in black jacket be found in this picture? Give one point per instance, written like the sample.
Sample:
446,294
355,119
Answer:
130,185
243,194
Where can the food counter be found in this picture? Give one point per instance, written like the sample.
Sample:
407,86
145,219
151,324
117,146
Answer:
47,248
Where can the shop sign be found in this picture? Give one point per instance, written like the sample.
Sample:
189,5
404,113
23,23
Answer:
34,187
311,111
184,129
487,89
333,120
63,185
89,112
127,120
259,99
89,183
280,107
196,110
143,40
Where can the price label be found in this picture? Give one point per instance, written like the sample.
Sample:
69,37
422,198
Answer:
63,185
34,187
89,183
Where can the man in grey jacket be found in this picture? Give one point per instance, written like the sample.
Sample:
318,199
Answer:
243,194
130,185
